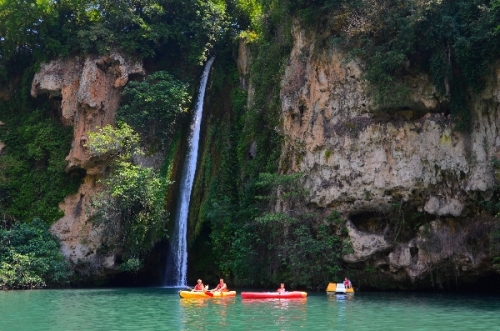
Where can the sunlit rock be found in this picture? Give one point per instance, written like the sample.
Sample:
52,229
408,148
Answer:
89,90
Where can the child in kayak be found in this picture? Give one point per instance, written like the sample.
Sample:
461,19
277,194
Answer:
281,289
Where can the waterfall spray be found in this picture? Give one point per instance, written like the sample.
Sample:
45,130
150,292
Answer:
177,264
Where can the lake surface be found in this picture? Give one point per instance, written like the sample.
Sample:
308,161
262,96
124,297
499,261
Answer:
161,309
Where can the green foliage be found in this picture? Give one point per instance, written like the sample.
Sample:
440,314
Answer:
495,8
280,187
310,10
248,14
30,257
33,180
328,153
303,248
154,106
131,208
36,30
131,265
20,28
313,255
241,143
120,142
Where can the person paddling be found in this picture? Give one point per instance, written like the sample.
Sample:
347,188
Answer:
221,287
281,289
199,286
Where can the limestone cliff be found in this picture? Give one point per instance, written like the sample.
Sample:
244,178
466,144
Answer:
89,93
385,168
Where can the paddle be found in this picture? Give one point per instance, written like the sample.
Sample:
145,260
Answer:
186,288
204,291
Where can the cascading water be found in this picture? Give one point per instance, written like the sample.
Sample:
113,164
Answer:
177,264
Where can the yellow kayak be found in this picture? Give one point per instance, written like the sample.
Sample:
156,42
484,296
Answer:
206,294
338,288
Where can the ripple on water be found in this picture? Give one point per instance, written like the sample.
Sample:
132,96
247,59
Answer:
162,309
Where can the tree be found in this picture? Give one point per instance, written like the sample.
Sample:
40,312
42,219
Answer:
30,257
130,210
154,106
303,248
32,31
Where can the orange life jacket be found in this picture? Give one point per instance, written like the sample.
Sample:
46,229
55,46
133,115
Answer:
219,286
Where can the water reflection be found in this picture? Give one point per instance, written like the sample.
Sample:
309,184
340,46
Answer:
340,297
339,306
279,314
196,314
276,303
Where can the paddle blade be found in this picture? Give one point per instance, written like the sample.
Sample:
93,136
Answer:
209,294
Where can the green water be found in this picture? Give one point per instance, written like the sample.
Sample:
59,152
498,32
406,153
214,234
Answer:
162,309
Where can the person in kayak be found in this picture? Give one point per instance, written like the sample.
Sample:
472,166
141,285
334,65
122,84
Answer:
347,283
221,287
281,289
199,286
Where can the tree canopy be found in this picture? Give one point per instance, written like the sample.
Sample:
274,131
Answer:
36,30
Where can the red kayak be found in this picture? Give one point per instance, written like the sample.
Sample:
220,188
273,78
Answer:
273,295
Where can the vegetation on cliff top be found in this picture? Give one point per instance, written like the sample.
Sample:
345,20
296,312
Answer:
34,31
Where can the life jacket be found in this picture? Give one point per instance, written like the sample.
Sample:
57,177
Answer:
198,287
218,288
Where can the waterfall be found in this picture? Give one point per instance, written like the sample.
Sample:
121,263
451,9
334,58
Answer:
177,264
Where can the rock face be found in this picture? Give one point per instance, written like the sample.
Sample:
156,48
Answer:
384,167
89,90
90,95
